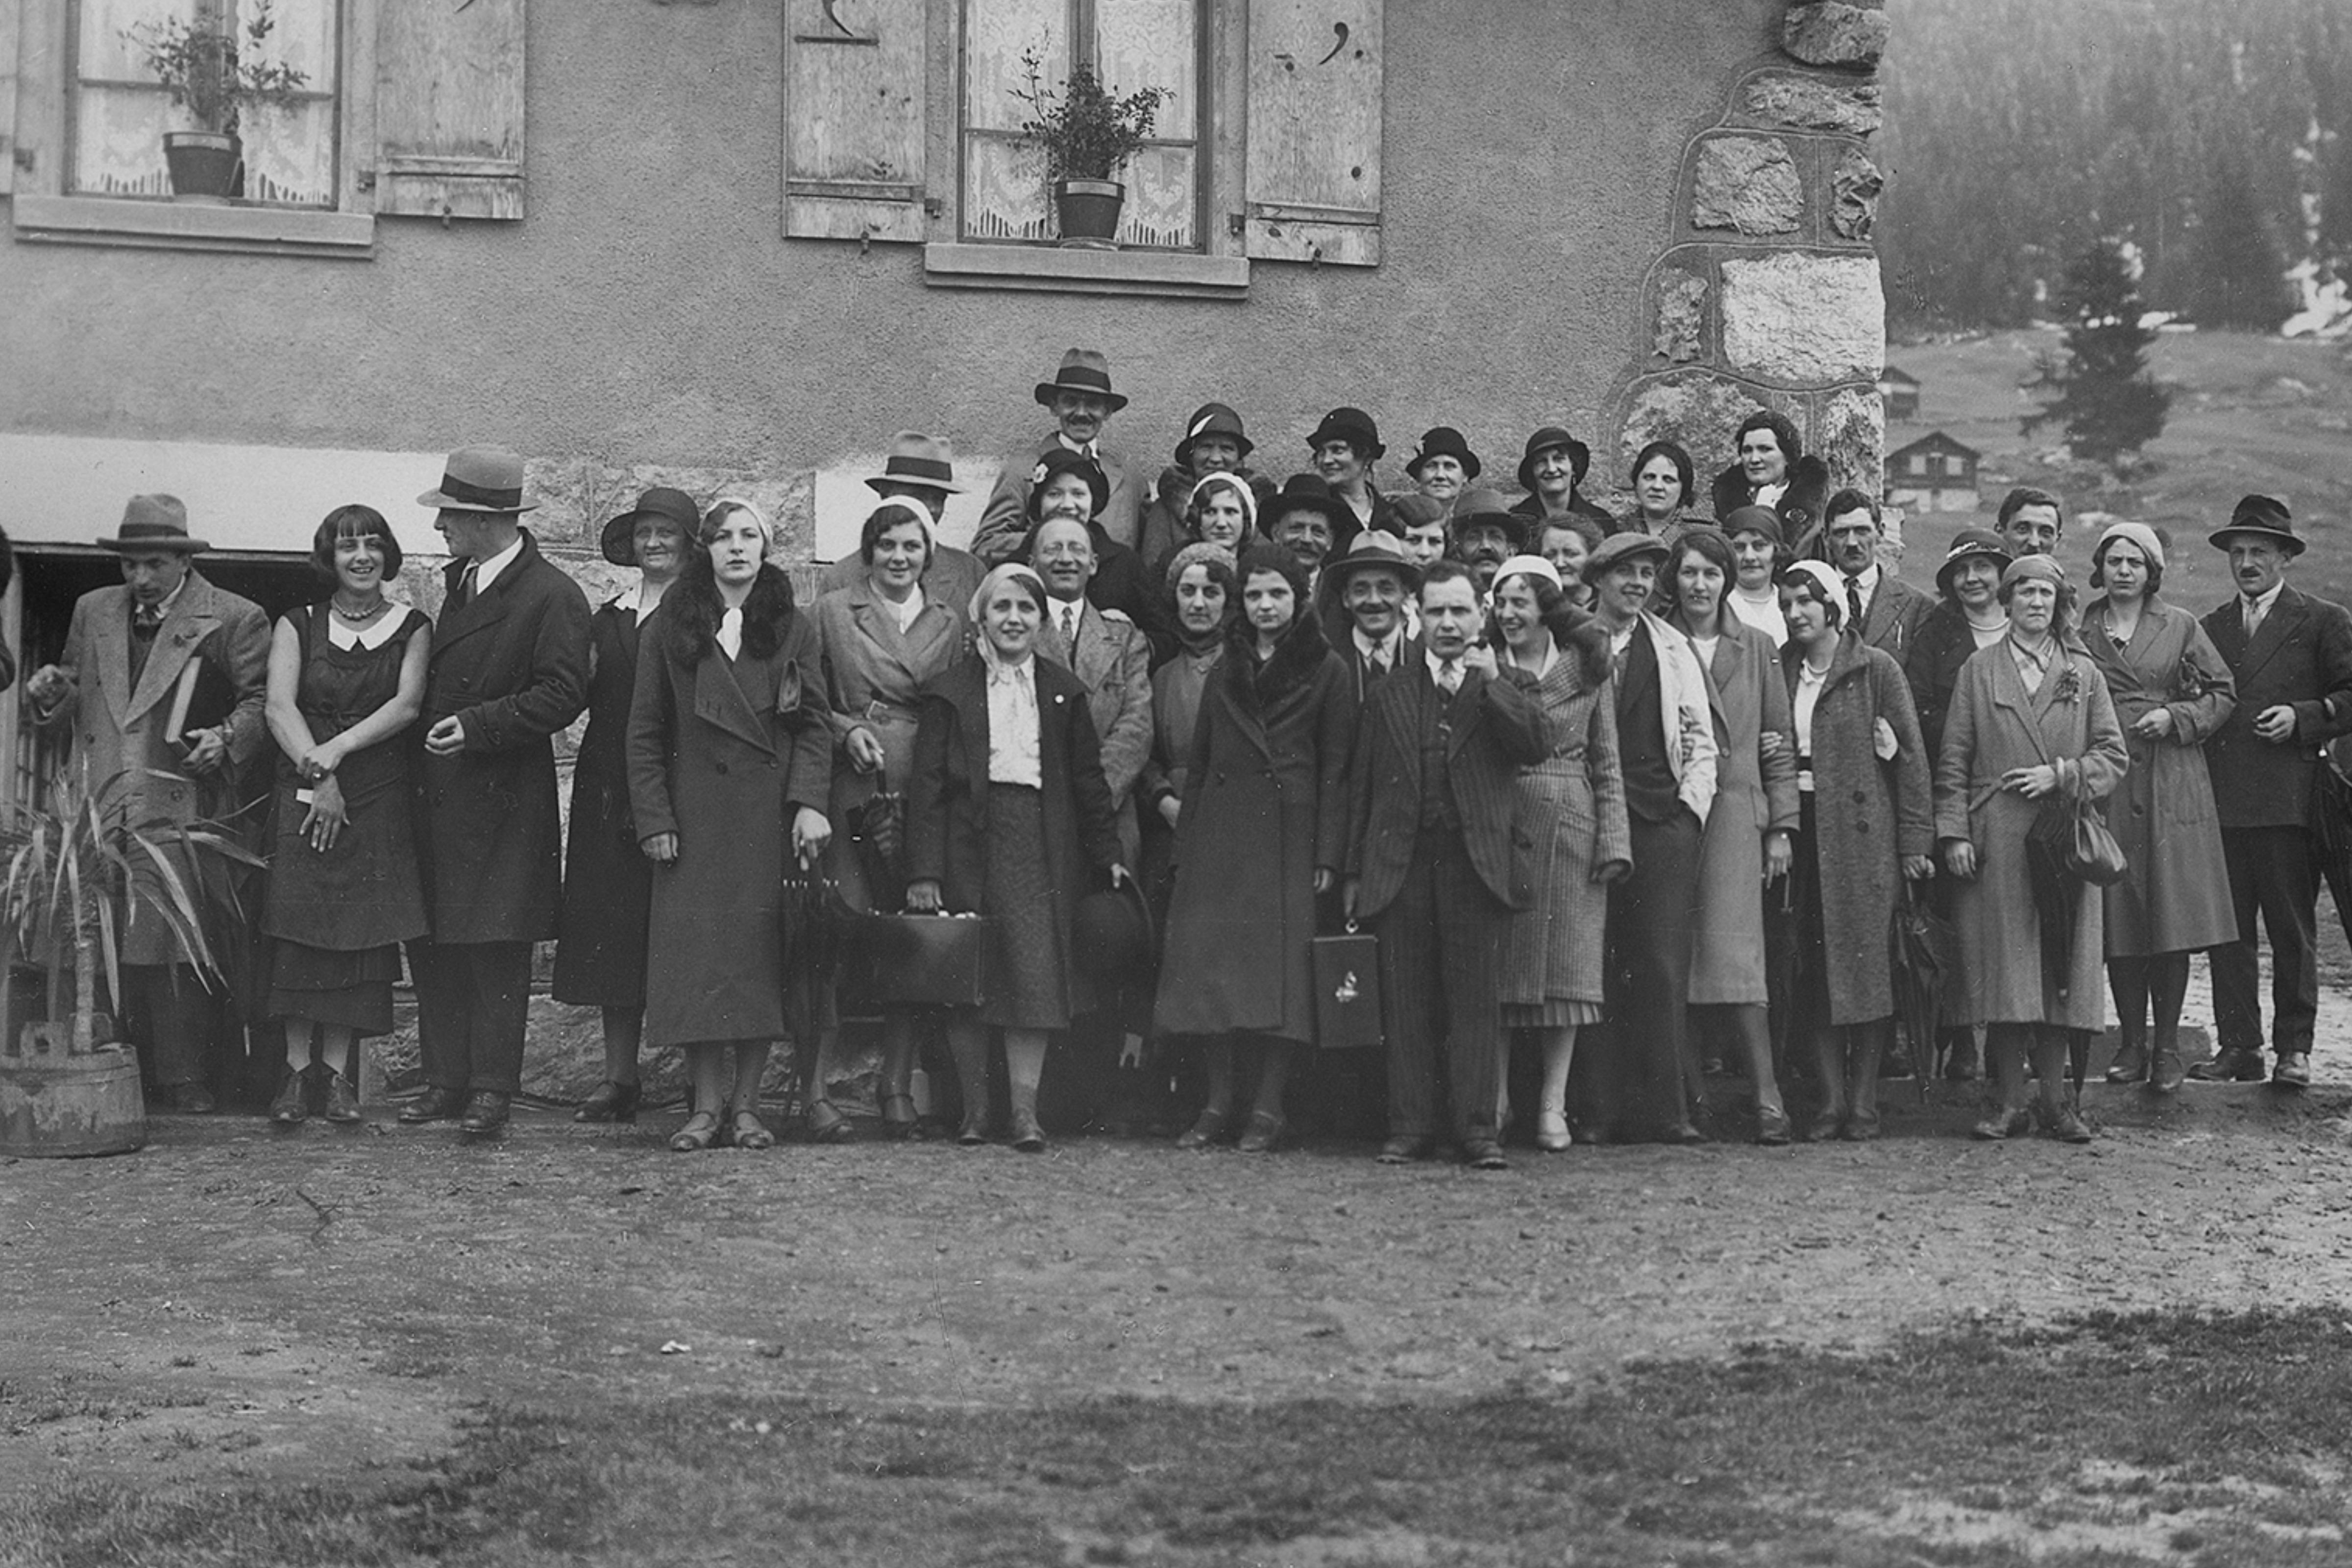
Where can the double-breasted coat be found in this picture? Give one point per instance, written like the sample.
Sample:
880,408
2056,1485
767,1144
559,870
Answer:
1994,725
600,955
723,752
1571,808
511,665
1866,815
118,727
1265,808
1753,793
2175,892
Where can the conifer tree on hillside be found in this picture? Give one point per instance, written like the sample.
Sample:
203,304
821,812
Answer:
2106,401
2241,277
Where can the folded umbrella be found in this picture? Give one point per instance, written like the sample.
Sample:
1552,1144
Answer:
1920,948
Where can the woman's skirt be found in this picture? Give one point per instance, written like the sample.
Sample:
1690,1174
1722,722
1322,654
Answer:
1028,959
351,989
1551,1012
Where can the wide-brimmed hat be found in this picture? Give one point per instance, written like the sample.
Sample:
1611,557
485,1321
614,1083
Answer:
619,543
1580,456
479,478
919,460
1111,934
1375,547
2264,516
1059,459
154,523
1352,425
1967,544
1082,370
1305,492
1619,547
1211,419
1483,506
1445,441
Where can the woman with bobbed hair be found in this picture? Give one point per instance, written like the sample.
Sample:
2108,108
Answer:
731,763
881,638
1749,833
2031,728
1571,806
1774,472
1008,816
345,686
1662,489
1257,839
2172,689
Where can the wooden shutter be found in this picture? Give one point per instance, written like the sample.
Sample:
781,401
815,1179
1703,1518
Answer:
448,108
11,12
853,102
1315,131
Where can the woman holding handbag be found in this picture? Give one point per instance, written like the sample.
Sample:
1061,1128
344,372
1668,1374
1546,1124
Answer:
730,763
2171,690
2030,728
1257,838
1009,816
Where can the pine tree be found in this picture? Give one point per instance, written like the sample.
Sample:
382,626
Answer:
2107,402
2241,271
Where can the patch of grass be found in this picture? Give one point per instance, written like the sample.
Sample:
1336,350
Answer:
2214,1439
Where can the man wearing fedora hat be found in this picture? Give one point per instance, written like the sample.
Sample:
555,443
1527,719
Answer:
1486,534
1213,443
920,468
509,669
1363,595
1551,471
2292,656
130,653
1082,401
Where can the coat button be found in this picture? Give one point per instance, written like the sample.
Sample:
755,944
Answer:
1862,825
720,767
1860,798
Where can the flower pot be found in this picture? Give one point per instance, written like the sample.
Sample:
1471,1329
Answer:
1088,211
205,167
57,1104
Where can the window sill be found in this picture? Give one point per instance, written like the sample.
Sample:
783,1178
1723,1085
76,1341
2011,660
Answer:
1051,270
194,226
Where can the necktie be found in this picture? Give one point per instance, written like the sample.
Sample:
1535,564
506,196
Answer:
1854,603
2253,617
1070,627
465,594
1449,675
146,617
1379,660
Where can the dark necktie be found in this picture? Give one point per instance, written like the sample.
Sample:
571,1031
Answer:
465,594
1854,603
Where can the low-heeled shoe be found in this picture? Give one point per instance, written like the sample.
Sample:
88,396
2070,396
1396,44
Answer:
485,1112
436,1104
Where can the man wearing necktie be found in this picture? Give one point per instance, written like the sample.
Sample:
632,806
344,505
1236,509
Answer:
1434,861
1887,610
1362,594
509,668
1082,402
2291,658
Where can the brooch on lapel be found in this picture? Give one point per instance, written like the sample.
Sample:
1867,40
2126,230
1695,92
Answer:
2069,683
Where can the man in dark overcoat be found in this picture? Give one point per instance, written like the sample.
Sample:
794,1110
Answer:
130,653
1434,861
2292,656
509,669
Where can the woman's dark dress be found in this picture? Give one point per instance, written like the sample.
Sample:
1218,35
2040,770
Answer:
608,883
338,916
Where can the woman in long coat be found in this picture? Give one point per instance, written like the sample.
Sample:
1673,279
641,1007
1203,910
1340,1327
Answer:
2171,690
882,638
1257,839
1749,831
1865,824
729,761
1009,816
1571,808
2011,748
608,884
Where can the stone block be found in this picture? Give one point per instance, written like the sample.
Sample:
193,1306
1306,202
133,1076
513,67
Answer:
576,495
1832,33
1680,332
1806,320
1749,184
1854,187
1811,104
1851,437
1699,410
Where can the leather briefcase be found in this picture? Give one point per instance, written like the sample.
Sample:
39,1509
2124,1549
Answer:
926,960
1347,971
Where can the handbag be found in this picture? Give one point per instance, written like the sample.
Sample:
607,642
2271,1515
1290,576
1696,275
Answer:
1346,974
2078,831
925,960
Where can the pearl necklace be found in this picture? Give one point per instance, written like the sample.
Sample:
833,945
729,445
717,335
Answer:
358,617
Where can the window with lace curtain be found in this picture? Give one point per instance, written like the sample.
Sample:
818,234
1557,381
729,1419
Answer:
1131,45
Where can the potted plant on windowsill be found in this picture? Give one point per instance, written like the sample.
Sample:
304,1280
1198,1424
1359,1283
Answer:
214,75
1087,136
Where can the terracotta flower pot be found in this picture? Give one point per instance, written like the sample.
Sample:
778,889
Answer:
1088,211
205,167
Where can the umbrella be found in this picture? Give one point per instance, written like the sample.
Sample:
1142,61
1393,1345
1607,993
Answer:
2331,833
814,926
1783,963
2058,891
1920,948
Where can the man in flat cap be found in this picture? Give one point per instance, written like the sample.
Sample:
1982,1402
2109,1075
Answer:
161,682
1081,398
509,669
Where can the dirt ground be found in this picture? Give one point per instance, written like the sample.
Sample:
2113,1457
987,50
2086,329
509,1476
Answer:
237,1303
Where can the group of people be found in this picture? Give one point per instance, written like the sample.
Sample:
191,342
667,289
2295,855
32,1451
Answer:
1622,800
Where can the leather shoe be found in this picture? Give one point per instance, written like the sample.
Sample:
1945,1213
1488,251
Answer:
342,1099
436,1104
1403,1151
1772,1128
610,1101
1264,1134
2068,1127
292,1106
485,1113
2130,1065
188,1099
1484,1154
2292,1070
2004,1125
2236,1065
1027,1136
1822,1128
1206,1129
1552,1135
1681,1133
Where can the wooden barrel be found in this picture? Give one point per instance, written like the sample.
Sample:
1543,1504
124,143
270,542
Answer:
56,1105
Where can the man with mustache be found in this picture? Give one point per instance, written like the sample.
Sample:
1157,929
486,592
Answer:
2030,520
2292,656
1485,534
1082,402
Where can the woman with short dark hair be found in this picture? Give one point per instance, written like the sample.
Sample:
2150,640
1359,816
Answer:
345,686
1774,471
729,766
1663,489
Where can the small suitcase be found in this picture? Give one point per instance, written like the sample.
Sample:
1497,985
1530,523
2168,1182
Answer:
926,960
1347,971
